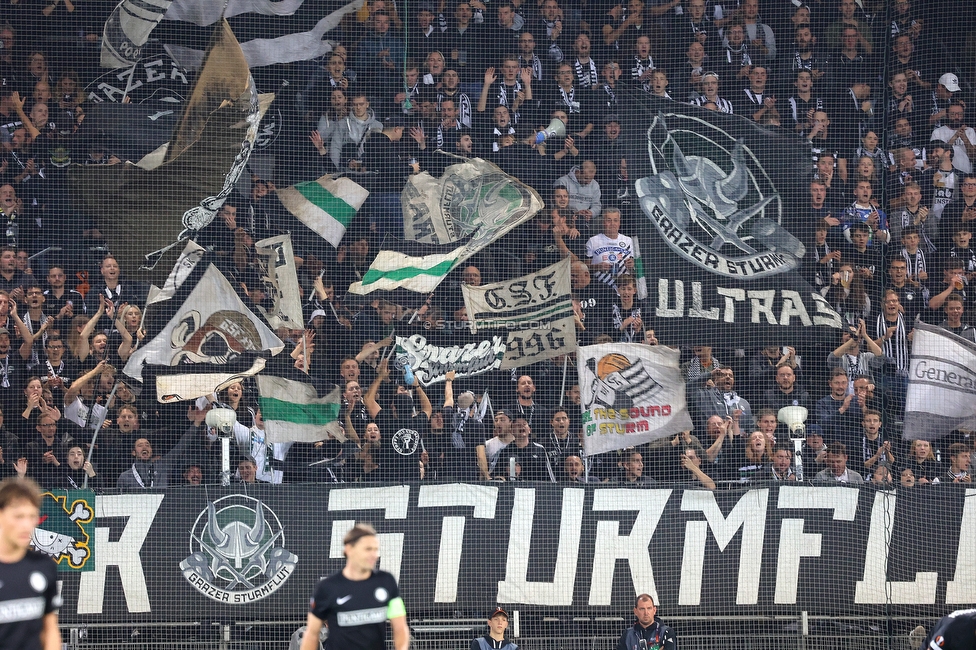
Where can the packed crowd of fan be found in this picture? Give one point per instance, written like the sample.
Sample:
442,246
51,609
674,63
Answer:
892,194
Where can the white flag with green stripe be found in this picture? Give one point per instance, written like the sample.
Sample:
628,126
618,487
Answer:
639,272
410,266
325,205
293,411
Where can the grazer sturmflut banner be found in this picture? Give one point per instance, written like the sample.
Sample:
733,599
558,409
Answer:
210,553
724,226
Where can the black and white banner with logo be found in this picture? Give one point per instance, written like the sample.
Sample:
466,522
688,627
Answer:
194,553
536,310
723,205
431,363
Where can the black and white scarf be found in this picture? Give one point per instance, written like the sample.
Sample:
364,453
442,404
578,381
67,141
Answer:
34,358
618,320
462,103
150,475
498,133
569,99
895,348
820,252
611,99
640,67
738,57
586,73
916,262
555,52
503,99
535,64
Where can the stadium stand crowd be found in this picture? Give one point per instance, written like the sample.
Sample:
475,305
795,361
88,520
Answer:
892,192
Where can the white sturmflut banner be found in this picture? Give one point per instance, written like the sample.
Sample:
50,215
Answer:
536,311
631,393
941,384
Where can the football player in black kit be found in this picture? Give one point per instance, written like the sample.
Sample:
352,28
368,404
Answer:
957,631
29,599
356,602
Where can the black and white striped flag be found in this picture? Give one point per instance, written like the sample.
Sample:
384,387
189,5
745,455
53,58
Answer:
269,31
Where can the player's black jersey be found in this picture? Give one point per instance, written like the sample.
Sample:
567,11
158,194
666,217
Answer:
28,592
356,611
957,631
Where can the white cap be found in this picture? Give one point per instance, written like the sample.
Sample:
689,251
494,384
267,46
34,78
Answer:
950,81
317,312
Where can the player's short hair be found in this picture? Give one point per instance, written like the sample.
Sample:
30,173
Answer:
13,490
358,532
130,408
872,412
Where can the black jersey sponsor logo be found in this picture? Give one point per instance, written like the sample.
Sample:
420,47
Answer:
22,609
361,617
239,553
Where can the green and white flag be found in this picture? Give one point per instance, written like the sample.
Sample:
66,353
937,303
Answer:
293,410
409,266
639,272
473,199
325,205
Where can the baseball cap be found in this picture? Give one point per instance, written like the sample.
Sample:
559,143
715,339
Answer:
465,400
814,430
950,81
498,610
3,330
612,117
317,312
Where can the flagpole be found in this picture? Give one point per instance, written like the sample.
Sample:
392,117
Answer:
101,421
562,391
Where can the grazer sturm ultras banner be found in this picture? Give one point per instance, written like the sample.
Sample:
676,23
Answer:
725,227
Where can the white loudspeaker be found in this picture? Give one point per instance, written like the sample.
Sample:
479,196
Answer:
556,129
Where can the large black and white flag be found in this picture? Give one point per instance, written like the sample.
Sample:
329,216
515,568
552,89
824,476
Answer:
941,384
270,31
535,310
725,226
210,340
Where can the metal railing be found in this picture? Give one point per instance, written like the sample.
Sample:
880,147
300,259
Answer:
801,632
